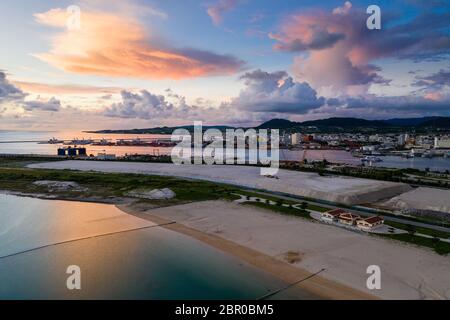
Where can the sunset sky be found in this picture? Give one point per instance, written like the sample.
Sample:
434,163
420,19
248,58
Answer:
145,63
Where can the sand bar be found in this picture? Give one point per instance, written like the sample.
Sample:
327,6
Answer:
331,188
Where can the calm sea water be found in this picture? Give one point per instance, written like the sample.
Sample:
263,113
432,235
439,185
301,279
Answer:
337,156
22,142
39,239
435,164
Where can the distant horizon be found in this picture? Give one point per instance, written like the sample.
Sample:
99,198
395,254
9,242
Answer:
208,125
231,126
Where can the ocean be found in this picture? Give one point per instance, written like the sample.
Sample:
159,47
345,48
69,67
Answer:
120,257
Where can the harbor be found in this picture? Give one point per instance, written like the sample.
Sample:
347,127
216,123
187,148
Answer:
121,146
136,142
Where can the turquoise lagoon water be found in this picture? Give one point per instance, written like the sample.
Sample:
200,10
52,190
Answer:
39,239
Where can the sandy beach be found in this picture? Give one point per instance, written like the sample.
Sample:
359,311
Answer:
331,188
269,240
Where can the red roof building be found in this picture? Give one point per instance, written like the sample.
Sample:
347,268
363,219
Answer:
336,212
370,223
349,218
332,216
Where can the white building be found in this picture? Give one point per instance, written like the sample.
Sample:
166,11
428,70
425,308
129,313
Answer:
368,148
369,224
375,138
442,143
296,138
349,218
285,139
402,139
332,216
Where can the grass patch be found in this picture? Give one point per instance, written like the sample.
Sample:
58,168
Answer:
413,229
309,206
111,184
20,162
440,247
317,208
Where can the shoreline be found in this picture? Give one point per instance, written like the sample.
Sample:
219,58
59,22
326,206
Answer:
317,285
250,242
293,249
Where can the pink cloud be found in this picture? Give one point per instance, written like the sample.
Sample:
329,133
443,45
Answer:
434,96
44,88
338,51
109,44
345,9
335,59
217,10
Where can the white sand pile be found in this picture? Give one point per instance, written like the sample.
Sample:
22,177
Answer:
156,194
407,272
59,185
421,199
331,188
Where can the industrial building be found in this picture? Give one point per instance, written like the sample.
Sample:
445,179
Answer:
442,143
72,152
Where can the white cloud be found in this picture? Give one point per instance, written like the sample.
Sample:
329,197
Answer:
16,97
276,92
51,105
9,92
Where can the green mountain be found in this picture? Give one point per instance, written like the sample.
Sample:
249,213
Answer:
325,124
157,130
346,123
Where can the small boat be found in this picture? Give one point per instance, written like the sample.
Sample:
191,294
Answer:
376,153
121,142
81,142
103,142
52,141
411,154
137,142
371,159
